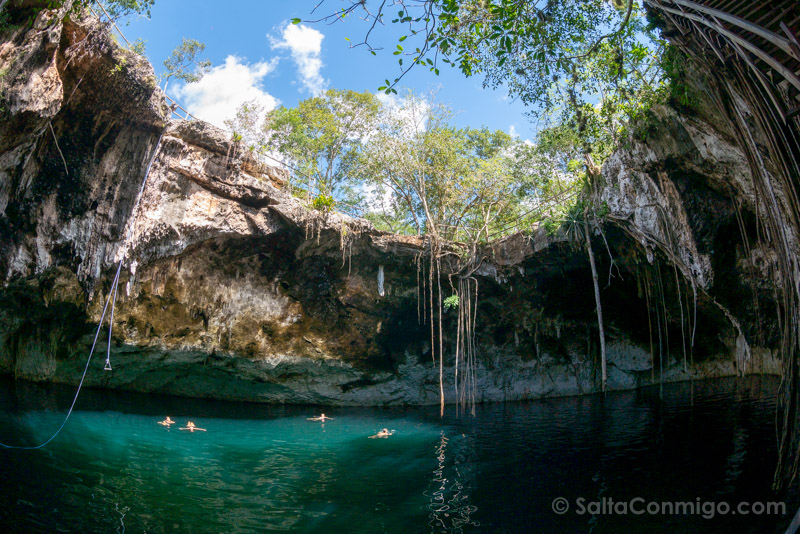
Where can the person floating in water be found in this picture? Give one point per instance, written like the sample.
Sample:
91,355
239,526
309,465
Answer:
191,428
384,433
321,417
166,422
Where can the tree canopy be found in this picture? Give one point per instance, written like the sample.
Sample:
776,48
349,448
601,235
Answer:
120,9
403,164
183,63
461,184
323,137
588,65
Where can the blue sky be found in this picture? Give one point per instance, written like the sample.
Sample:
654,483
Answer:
258,54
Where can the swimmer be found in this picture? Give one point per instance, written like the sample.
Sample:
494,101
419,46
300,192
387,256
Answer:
384,433
166,422
322,417
191,428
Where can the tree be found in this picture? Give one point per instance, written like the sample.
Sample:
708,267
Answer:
183,62
247,126
121,9
592,65
322,137
138,46
468,185
416,155
460,187
116,10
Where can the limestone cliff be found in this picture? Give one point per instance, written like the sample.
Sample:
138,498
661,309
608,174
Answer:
233,289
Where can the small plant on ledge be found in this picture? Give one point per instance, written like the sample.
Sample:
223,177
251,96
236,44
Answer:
323,203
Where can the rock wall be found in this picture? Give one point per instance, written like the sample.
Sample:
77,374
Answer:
232,289
79,120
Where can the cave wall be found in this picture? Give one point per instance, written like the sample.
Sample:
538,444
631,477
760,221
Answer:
78,123
232,289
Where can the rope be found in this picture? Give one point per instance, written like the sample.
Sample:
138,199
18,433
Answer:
112,299
83,376
111,319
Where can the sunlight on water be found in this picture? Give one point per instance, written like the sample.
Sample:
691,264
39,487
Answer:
258,468
255,474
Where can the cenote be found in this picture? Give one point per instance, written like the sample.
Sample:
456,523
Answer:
584,322
267,468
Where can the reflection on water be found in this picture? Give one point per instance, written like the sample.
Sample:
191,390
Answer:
266,468
450,508
124,510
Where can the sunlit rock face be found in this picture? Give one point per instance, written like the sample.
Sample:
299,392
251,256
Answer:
232,289
79,120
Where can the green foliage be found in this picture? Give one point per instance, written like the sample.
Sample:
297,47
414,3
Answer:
5,20
116,9
121,9
602,210
120,65
460,184
183,62
674,63
406,168
674,89
590,66
26,16
451,302
573,226
323,203
395,223
551,225
138,47
245,126
322,137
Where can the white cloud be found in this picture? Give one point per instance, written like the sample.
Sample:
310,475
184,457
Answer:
305,45
512,131
413,114
218,95
377,199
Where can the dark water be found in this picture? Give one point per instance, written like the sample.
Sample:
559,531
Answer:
258,468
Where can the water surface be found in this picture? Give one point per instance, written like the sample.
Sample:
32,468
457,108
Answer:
267,468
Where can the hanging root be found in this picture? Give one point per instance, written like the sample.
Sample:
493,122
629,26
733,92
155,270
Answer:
430,307
599,308
66,170
465,360
441,351
649,324
680,304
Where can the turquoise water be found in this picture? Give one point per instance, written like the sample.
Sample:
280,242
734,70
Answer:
260,468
